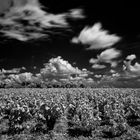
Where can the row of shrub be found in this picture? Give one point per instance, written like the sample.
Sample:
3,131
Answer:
87,113
43,84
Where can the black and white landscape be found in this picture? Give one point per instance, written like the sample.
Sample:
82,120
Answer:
69,70
94,43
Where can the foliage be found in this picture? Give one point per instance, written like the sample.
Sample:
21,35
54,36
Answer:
63,114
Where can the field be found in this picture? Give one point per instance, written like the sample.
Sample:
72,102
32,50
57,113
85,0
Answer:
69,114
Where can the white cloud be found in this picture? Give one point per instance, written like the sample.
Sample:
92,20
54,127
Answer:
12,71
131,70
135,68
97,76
75,40
27,76
22,77
93,60
96,37
114,64
98,66
76,13
112,71
28,21
107,56
131,57
90,80
115,75
57,68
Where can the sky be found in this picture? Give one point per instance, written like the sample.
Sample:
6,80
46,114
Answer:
98,41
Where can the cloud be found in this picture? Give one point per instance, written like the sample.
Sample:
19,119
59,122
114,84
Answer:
117,80
114,64
96,37
90,80
57,68
116,75
107,56
93,60
112,71
12,71
128,78
76,13
98,66
131,70
97,76
22,77
131,57
28,21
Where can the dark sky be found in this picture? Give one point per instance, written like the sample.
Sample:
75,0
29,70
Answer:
120,18
117,17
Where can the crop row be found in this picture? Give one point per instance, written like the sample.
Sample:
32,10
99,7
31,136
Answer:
98,114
